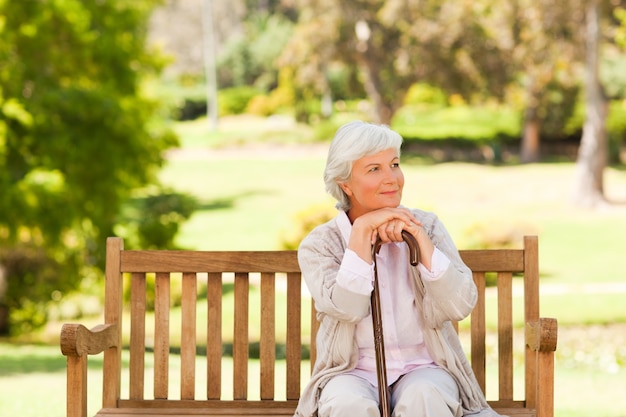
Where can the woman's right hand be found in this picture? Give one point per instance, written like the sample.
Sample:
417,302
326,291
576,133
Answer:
386,223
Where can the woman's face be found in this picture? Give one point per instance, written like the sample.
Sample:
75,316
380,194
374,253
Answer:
376,182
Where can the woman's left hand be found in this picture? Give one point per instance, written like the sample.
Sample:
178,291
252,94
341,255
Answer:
392,232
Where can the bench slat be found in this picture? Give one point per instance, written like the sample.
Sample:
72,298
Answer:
483,260
188,337
214,336
208,261
294,334
268,335
240,337
161,335
505,335
137,335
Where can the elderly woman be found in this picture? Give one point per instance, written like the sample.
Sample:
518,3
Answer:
427,371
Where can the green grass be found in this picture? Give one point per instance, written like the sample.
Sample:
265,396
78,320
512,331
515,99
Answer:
32,380
246,202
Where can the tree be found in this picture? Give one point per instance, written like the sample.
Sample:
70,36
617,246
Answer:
545,50
602,25
77,135
593,150
395,44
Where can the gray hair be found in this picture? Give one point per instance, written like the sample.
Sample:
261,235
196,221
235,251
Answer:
352,142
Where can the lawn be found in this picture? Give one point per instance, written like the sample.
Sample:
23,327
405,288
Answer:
252,196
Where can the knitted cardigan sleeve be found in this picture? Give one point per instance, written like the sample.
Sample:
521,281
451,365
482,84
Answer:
320,255
452,296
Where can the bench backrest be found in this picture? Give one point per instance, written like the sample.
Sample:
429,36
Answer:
271,277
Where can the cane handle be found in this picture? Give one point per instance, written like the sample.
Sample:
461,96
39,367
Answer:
410,241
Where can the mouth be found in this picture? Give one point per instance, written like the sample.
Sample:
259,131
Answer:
390,193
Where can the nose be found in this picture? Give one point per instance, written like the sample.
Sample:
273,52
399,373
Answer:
390,176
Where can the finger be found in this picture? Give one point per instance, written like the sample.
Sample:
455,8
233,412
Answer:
374,236
413,222
382,233
397,231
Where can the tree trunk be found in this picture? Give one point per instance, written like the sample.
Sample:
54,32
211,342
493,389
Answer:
382,112
210,64
530,140
593,150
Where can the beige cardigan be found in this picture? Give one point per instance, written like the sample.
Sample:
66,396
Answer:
452,297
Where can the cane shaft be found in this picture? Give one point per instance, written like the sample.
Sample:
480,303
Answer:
379,343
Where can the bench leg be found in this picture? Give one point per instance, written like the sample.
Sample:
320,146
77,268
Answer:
545,378
77,386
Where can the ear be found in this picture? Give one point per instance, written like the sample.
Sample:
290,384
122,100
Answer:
346,188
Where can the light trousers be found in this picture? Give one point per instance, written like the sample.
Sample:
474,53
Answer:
425,392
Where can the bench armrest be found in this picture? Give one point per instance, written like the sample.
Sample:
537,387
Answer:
77,340
541,335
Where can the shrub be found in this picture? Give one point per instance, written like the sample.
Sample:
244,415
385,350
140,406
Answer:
152,219
305,221
496,234
422,93
266,105
235,100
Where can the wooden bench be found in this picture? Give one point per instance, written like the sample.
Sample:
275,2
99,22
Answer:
199,388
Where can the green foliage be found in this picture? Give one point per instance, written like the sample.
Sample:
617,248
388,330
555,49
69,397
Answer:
77,134
620,32
422,93
250,59
615,126
344,82
557,108
235,100
325,130
612,74
261,105
152,219
33,273
461,121
616,129
281,98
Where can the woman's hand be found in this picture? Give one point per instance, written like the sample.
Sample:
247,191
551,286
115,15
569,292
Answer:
426,247
388,224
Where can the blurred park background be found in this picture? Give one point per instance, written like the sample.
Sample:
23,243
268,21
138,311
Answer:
204,125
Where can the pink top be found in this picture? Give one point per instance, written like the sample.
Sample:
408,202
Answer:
402,328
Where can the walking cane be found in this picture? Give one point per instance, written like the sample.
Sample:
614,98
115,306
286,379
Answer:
379,344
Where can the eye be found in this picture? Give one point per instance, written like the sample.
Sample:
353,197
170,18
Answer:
395,165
